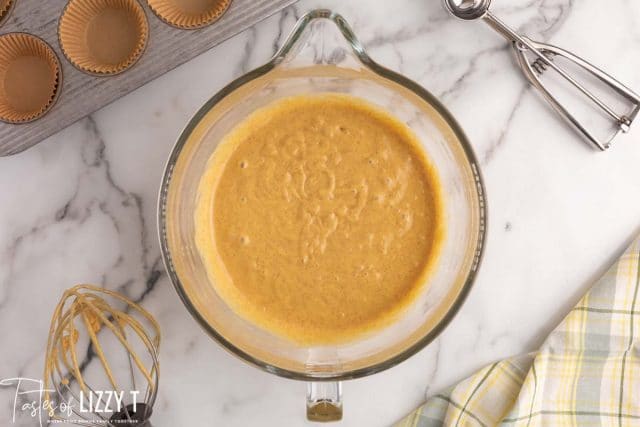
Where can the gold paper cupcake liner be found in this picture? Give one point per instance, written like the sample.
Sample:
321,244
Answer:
31,76
103,37
5,8
189,14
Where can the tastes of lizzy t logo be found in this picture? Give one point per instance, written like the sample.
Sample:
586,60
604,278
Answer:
29,399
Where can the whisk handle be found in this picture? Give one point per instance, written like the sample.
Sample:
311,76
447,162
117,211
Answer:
127,417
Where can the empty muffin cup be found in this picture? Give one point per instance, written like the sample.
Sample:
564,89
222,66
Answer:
30,77
103,37
5,8
189,14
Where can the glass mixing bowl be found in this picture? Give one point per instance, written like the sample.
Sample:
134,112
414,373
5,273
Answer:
323,55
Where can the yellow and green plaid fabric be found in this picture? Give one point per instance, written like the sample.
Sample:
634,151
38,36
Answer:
587,373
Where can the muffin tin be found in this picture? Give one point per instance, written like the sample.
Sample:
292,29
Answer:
152,38
5,8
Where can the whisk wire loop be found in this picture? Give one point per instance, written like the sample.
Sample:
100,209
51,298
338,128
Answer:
89,308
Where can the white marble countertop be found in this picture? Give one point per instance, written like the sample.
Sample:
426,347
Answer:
81,207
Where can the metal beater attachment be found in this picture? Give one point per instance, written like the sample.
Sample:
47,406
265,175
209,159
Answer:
120,387
535,59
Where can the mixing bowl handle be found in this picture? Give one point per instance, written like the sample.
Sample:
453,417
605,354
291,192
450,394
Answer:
324,401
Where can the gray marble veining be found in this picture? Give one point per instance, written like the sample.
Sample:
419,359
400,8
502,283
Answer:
81,206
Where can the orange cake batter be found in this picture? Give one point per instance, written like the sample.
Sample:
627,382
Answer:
319,218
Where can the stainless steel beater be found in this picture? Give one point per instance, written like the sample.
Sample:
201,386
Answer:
124,339
535,58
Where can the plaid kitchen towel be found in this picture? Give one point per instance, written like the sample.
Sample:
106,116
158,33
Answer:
587,373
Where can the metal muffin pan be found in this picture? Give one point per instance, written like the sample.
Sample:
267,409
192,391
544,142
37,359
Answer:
82,94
